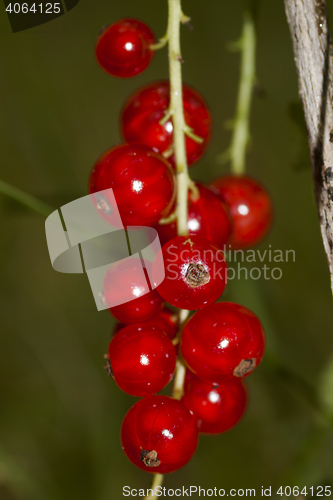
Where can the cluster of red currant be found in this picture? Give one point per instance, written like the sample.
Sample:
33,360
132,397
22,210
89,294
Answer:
222,342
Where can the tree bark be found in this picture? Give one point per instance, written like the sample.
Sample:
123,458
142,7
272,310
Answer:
314,61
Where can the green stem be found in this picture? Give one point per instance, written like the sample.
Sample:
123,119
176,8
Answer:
179,128
157,481
178,383
241,134
160,44
180,372
177,111
25,199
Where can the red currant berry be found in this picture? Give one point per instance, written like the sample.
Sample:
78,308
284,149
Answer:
127,294
142,181
250,208
222,341
123,48
195,272
217,407
208,217
147,106
159,434
166,319
142,359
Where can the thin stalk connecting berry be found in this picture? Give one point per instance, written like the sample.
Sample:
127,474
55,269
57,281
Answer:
241,123
176,110
177,113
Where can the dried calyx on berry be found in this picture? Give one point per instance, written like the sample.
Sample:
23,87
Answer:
245,366
107,366
150,458
195,272
196,275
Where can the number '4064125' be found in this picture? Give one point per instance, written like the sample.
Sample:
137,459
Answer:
318,491
49,8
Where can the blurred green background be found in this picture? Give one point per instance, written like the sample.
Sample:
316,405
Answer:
60,414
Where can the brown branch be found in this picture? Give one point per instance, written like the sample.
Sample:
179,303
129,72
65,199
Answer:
314,61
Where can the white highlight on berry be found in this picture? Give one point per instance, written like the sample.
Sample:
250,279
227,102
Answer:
144,360
213,397
137,186
137,291
169,127
167,433
224,343
193,224
243,209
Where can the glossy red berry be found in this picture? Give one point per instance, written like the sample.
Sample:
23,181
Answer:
142,181
250,208
123,48
127,293
223,341
195,272
166,319
147,106
208,217
159,434
217,407
142,359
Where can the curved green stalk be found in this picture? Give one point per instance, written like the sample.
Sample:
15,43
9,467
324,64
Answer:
25,199
241,125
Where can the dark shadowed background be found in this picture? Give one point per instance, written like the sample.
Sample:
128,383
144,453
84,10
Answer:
60,414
